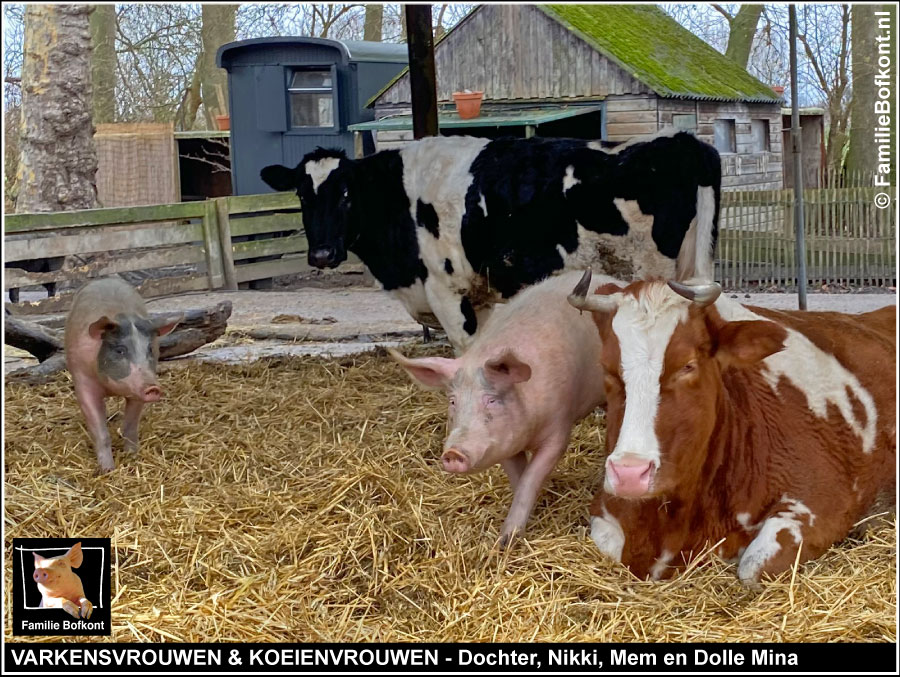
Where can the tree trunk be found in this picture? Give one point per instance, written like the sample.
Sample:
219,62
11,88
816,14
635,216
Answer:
217,29
103,62
741,34
862,156
58,165
373,22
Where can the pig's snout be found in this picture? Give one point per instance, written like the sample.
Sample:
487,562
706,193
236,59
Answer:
630,477
454,460
152,393
40,576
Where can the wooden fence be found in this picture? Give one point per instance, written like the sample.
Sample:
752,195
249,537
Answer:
213,244
849,239
222,242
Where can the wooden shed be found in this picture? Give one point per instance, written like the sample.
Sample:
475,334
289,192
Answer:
602,71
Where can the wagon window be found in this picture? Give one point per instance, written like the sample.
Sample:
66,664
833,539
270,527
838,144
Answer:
724,136
312,98
684,121
759,133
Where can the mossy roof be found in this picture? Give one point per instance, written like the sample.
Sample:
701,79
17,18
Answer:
651,46
658,51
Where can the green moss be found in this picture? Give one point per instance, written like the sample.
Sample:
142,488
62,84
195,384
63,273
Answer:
658,51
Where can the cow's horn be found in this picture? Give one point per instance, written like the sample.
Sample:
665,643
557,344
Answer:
702,293
580,298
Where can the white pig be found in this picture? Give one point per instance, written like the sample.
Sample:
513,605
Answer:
532,372
112,346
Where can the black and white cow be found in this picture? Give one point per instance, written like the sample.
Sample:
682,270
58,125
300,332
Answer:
452,225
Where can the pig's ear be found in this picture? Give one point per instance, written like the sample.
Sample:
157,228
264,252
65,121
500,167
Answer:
75,556
506,370
431,372
100,327
166,323
37,560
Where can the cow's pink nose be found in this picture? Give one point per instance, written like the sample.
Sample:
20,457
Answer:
454,460
630,477
152,394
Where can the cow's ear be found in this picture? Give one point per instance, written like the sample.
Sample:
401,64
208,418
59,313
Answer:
75,556
746,342
506,370
280,177
430,372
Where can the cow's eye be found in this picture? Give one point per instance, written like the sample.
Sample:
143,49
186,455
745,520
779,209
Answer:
688,368
452,401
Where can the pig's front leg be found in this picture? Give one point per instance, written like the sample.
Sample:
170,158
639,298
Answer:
71,608
542,462
90,398
130,423
514,467
86,607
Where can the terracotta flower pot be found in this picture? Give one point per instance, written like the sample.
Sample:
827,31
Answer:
468,104
223,122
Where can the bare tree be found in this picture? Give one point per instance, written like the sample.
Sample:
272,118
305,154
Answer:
829,59
58,161
103,62
862,156
742,31
218,28
373,22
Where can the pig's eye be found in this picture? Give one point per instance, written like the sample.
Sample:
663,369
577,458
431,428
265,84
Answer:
452,401
119,350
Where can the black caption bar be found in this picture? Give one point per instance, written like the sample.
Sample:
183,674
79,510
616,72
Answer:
418,658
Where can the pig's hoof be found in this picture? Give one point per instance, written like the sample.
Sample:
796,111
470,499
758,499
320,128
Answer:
106,467
507,539
86,608
71,608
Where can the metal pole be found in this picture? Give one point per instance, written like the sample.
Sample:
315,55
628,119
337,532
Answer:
420,43
800,250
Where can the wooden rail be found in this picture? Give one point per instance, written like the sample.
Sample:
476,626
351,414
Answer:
215,242
849,239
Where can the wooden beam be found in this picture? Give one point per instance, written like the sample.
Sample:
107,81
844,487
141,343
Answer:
422,80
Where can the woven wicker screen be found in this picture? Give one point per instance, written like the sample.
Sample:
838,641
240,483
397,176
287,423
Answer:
138,164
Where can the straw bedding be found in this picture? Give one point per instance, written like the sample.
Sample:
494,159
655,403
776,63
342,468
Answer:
301,499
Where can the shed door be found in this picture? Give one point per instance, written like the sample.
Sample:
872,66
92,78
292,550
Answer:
271,106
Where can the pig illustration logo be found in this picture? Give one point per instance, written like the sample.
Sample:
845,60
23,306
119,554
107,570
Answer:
59,585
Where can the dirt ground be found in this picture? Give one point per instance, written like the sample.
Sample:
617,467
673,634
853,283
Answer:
323,318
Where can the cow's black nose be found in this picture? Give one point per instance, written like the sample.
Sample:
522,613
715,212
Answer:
322,257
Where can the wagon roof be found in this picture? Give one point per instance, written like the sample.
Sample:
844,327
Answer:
658,51
651,46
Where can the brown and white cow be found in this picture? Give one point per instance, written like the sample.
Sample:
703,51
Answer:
766,430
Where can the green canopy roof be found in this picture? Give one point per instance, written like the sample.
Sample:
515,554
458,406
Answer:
658,51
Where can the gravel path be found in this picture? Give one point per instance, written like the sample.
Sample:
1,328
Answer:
349,320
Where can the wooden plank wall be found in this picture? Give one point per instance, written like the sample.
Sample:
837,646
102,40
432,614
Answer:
516,52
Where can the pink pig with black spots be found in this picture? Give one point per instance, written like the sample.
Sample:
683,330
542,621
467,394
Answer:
112,346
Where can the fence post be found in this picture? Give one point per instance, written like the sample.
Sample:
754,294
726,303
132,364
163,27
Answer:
212,246
224,220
